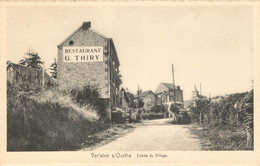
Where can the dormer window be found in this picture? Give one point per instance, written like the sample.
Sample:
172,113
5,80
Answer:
71,43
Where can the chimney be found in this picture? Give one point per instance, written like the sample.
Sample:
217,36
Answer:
86,25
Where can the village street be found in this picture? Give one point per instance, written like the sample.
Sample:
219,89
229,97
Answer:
155,135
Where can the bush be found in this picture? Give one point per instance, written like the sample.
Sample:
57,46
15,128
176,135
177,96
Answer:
90,96
48,121
174,108
221,112
159,109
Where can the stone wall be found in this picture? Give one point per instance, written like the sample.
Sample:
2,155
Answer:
76,75
149,101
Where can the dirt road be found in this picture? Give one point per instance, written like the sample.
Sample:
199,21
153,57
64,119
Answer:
155,135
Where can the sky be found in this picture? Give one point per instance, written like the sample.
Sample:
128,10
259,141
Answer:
208,45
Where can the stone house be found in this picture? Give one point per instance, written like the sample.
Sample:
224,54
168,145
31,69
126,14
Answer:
126,99
165,95
87,57
196,95
131,98
27,78
148,98
123,99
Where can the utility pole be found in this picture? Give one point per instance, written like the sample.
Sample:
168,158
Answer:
173,83
200,89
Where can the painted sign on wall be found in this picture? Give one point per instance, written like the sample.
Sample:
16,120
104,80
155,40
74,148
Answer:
83,54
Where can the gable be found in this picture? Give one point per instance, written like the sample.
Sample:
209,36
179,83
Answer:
83,37
161,88
150,95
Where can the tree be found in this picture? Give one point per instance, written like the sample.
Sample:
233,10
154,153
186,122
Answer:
175,109
53,69
139,103
32,59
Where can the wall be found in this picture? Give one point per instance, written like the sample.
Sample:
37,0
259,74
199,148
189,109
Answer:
27,78
101,75
76,75
149,101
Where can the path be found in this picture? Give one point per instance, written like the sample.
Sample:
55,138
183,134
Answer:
155,135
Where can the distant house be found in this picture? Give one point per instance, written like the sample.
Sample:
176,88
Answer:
131,98
125,102
196,95
148,98
165,94
27,78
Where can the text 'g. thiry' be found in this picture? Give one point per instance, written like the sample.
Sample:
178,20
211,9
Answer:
83,54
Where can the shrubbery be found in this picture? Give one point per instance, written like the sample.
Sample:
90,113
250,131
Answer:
48,121
228,114
159,109
90,96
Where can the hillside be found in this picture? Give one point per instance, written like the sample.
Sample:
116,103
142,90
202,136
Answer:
48,121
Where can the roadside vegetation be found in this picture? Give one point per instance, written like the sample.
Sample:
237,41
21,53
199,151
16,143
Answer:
46,119
225,122
49,120
135,115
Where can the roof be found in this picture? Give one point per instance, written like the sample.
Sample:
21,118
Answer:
105,37
169,86
78,30
144,93
201,96
125,95
27,69
18,66
195,88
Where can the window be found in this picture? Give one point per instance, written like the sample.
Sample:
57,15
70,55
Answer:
71,43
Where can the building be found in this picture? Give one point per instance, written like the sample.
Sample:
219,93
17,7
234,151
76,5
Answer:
131,98
27,78
196,95
87,57
165,95
124,101
148,98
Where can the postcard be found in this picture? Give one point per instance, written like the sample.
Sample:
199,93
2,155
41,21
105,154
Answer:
105,82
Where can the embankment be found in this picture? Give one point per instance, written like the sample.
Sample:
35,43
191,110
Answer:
48,121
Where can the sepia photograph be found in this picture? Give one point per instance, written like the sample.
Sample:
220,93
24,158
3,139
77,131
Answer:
129,78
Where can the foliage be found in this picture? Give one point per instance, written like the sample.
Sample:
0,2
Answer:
199,109
48,121
54,68
159,109
223,111
139,103
90,96
174,108
32,59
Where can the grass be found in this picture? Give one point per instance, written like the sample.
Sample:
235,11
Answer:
223,138
48,121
